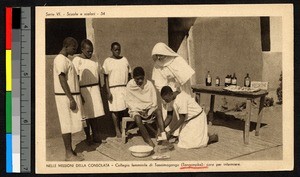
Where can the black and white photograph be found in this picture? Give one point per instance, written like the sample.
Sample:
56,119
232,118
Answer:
164,88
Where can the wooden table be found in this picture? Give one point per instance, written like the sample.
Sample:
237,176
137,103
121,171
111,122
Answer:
218,90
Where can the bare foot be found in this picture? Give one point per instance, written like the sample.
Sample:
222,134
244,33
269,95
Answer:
150,143
167,144
74,153
77,154
74,158
213,138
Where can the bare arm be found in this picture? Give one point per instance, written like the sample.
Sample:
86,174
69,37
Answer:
154,99
82,99
109,95
99,81
179,123
168,118
66,88
99,75
129,77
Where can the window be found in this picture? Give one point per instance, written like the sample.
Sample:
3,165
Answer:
58,29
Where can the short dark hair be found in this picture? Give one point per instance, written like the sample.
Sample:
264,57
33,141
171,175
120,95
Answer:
138,71
165,91
69,41
86,41
115,43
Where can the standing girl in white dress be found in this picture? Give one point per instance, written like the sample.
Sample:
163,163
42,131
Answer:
67,96
88,72
116,75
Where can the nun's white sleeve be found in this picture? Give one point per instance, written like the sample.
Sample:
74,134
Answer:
158,78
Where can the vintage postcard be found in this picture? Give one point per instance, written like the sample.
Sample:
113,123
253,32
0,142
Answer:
176,88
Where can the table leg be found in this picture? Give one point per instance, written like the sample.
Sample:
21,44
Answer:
197,97
247,122
260,114
211,109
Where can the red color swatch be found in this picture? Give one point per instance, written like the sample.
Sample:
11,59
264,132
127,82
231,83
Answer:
8,26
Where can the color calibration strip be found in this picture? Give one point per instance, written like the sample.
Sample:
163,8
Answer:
8,67
18,86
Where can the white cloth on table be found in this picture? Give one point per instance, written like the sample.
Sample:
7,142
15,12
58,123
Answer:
117,71
194,132
70,120
88,72
140,99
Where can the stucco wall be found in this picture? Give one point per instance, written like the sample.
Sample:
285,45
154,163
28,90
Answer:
227,45
272,60
137,37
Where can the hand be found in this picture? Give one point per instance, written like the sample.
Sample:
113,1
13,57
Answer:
109,97
73,104
143,113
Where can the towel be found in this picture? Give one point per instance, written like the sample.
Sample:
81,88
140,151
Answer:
141,100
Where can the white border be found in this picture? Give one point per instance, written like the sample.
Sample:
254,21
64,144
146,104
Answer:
283,10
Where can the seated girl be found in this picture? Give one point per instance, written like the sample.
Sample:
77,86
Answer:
142,103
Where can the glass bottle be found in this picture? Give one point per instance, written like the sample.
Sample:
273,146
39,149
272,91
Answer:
227,81
217,81
208,79
233,80
247,81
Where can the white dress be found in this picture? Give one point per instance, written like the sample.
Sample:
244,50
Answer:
117,71
194,132
88,72
171,71
70,120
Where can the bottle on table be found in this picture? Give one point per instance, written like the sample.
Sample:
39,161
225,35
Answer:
233,80
227,81
208,79
217,81
247,81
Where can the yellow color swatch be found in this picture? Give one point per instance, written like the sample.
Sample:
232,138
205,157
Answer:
8,70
